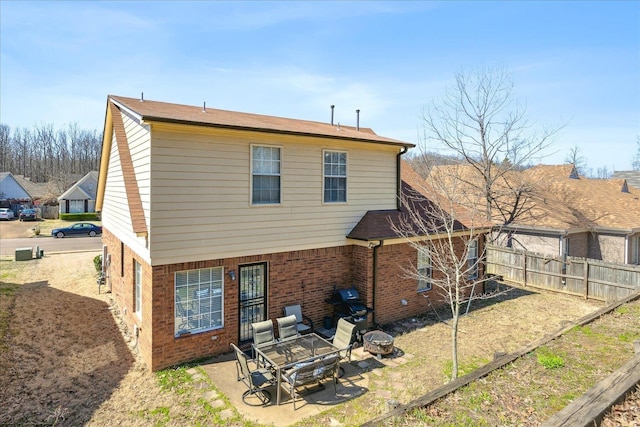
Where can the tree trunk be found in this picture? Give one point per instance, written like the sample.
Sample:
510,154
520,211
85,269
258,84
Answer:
454,345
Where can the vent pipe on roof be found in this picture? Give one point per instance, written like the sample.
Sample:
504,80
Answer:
357,120
141,96
332,114
204,107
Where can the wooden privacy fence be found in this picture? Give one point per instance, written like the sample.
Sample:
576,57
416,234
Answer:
589,278
49,212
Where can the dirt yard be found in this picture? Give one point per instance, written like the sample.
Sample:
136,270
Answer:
64,359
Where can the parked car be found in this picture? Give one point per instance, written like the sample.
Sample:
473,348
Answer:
79,229
28,215
6,213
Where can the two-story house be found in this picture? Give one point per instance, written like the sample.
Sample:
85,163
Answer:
215,219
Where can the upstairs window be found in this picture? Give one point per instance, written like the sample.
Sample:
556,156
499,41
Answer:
335,177
424,270
265,171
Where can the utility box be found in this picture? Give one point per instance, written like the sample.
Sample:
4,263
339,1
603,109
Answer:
24,254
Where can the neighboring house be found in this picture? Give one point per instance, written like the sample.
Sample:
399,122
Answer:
36,190
215,219
570,215
81,196
12,193
632,177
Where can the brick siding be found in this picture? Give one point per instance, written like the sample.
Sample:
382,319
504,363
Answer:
299,277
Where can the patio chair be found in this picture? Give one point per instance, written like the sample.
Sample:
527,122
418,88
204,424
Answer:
186,316
287,328
254,380
300,318
310,373
343,340
262,336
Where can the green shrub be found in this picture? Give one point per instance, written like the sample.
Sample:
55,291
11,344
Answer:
87,216
97,262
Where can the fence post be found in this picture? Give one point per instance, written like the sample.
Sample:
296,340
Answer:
524,269
585,279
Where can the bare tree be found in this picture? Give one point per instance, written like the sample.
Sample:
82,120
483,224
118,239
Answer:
450,248
574,157
603,173
479,121
635,165
44,154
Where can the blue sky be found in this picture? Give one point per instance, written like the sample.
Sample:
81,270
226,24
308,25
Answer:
574,63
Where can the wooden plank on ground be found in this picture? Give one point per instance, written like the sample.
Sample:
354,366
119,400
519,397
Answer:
498,363
591,407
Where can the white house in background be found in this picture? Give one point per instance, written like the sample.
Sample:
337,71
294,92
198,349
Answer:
12,192
81,197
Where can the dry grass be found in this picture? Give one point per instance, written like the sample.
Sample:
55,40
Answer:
43,355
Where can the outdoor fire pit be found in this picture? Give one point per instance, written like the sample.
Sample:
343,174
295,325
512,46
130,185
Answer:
378,342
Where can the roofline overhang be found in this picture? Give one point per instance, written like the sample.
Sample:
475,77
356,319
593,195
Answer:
64,195
567,231
394,239
535,229
150,119
107,139
613,230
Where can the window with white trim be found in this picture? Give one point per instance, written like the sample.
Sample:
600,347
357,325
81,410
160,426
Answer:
424,270
472,258
76,206
265,173
635,250
335,177
138,288
198,300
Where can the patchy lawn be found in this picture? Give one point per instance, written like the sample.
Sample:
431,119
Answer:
66,360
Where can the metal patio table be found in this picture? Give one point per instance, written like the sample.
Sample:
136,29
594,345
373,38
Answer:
283,355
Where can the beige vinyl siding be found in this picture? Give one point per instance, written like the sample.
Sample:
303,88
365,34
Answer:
115,212
201,201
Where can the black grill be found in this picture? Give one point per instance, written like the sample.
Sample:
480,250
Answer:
347,305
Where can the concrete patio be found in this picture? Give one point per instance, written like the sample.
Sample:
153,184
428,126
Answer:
355,382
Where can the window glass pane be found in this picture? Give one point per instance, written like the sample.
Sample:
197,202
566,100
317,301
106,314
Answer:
266,175
266,189
472,259
335,176
138,287
424,271
198,300
76,206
